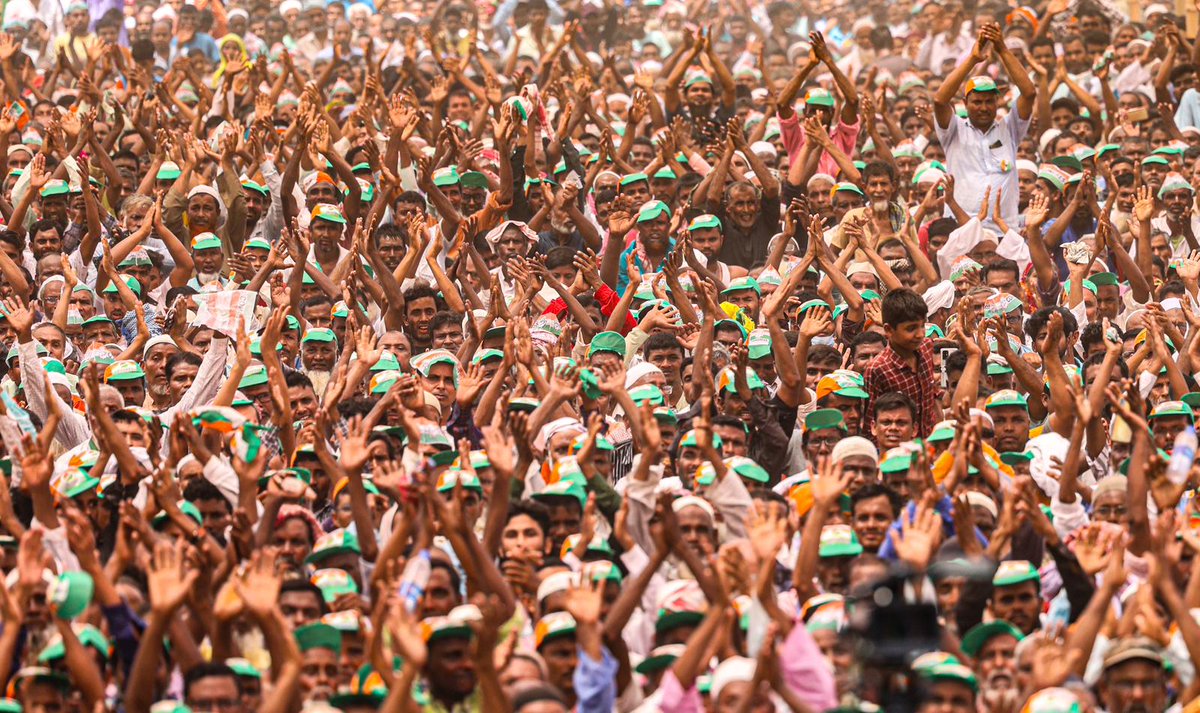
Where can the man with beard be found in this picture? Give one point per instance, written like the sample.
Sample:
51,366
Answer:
647,252
321,650
208,258
1178,221
993,646
155,356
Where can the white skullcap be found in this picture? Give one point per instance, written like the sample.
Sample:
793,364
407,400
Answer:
974,497
289,5
732,670
640,371
764,147
821,177
557,582
688,501
158,341
164,12
856,268
983,416
940,296
854,446
1024,164
555,427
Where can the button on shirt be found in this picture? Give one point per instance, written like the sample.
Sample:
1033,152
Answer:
979,159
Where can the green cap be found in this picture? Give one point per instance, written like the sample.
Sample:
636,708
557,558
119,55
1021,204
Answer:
824,419
759,344
706,220
981,83
955,672
747,469
168,171
1173,408
130,282
319,334
87,634
255,375
204,241
333,583
839,541
71,593
319,636
446,177
1012,572
1013,458
335,542
818,96
607,342
652,210
980,634
739,284
1005,397
555,625
647,392
563,488
124,370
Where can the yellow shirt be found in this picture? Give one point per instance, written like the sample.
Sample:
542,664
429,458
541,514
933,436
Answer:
74,44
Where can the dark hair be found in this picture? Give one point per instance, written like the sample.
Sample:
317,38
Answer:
730,422
1002,264
531,509
903,305
419,291
295,379
942,226
536,693
894,400
201,489
1035,323
44,224
559,256
443,318
12,238
824,354
455,580
866,338
181,358
879,168
875,490
390,230
660,341
956,361
213,669
303,585
410,197
315,301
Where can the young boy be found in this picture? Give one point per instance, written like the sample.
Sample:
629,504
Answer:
906,363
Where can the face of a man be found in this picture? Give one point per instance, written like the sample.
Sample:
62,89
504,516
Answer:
1136,686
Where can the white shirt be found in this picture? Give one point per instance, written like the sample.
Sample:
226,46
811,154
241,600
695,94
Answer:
982,159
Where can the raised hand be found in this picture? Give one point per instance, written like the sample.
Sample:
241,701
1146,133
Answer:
168,578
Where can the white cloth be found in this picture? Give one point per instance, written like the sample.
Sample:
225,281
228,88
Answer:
983,159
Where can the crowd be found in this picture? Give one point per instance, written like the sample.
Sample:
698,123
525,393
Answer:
537,356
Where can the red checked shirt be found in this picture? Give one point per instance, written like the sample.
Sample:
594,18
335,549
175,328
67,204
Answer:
889,372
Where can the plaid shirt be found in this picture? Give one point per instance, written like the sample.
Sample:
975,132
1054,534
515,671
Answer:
888,372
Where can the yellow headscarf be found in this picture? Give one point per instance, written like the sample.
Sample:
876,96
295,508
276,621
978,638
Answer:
236,39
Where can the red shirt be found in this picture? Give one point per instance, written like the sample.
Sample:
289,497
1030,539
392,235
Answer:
889,372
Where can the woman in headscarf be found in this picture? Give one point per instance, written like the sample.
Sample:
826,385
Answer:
233,49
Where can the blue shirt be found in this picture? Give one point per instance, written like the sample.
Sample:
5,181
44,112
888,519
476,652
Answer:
595,683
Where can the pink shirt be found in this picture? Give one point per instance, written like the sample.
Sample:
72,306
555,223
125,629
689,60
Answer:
844,136
804,669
